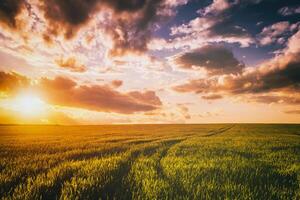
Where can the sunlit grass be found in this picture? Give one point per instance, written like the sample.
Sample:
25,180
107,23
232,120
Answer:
150,162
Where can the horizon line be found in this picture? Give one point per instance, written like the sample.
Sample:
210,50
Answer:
127,124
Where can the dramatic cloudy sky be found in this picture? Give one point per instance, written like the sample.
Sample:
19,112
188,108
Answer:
149,61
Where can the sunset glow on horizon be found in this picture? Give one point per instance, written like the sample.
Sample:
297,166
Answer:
28,105
152,61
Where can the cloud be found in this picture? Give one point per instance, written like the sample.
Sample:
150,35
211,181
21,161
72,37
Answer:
215,23
9,9
217,6
219,13
212,97
132,32
117,83
71,64
280,99
286,11
67,16
147,96
285,76
280,74
66,92
293,112
11,82
277,33
214,58
129,24
184,110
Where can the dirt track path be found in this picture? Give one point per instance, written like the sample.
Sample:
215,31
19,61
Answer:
219,131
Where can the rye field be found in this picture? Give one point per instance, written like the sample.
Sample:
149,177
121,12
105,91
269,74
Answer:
220,161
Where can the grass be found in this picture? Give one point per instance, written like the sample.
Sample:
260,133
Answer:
150,162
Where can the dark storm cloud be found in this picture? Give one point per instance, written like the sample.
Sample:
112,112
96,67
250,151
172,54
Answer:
285,77
130,27
280,75
9,9
11,82
289,76
68,14
214,58
136,31
131,5
227,28
130,23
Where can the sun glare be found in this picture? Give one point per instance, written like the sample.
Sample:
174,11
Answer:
29,105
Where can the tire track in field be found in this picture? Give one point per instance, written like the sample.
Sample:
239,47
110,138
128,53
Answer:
125,181
119,187
177,187
174,184
112,189
296,134
8,188
118,182
219,131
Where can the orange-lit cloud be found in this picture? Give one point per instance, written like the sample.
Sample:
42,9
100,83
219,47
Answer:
66,92
142,61
11,82
281,99
71,64
212,97
117,83
129,24
292,112
279,74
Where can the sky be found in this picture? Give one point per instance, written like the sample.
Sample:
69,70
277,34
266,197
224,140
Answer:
149,61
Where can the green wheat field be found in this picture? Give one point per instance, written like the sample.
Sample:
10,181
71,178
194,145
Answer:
219,161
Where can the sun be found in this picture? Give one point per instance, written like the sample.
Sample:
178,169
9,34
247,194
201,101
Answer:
28,105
